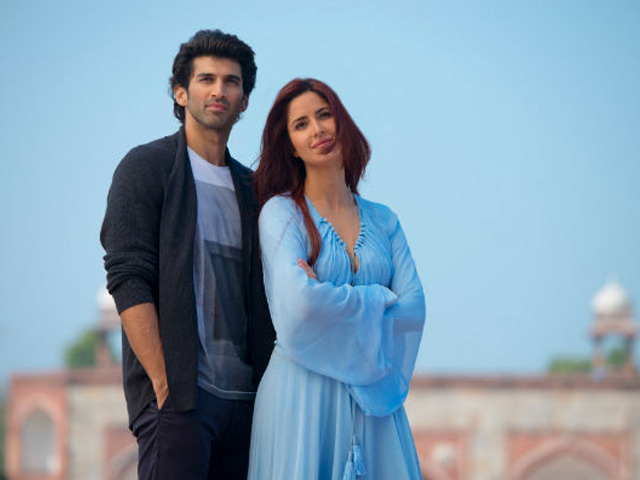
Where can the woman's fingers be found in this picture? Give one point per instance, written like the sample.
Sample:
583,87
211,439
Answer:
308,270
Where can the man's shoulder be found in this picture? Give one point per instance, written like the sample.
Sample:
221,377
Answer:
152,158
243,176
164,148
239,167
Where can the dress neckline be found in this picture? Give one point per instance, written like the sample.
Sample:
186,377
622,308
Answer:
359,239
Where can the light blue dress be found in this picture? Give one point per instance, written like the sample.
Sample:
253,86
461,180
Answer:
329,406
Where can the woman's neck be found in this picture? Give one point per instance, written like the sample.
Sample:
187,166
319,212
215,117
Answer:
327,189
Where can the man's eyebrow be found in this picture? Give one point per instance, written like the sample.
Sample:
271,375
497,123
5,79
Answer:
230,76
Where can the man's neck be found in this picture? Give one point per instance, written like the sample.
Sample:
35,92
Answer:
209,144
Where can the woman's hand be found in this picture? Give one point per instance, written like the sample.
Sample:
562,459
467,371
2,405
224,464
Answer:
307,269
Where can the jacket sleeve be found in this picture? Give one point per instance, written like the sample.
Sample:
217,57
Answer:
130,230
344,332
408,313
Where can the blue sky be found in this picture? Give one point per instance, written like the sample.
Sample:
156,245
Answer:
505,135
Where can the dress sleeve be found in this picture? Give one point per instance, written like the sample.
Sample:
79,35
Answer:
408,313
314,319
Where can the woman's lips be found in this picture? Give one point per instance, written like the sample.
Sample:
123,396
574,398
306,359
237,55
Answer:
323,145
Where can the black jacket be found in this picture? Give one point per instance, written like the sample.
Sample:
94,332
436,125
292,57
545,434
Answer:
148,235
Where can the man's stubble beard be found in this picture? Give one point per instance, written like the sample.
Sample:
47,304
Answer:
214,124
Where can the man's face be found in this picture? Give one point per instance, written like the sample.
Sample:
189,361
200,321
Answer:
214,98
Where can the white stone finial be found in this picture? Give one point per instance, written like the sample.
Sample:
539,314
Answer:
105,300
610,300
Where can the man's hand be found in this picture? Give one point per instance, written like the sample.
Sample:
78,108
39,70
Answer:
162,392
307,269
141,327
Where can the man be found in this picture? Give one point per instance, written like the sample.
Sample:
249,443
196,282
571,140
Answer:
183,266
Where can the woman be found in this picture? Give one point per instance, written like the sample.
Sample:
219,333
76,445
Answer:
345,299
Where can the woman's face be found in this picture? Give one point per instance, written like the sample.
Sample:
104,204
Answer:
312,131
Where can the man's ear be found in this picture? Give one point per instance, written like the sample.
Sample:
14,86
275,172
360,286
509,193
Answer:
181,95
245,103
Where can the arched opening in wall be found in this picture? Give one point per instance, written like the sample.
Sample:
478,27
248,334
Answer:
38,453
568,457
567,467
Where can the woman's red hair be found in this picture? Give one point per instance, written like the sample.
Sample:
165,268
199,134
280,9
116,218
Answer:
279,172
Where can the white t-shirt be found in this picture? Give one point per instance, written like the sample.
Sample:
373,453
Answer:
223,369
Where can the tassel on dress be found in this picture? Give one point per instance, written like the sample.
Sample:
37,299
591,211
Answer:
355,466
358,464
349,473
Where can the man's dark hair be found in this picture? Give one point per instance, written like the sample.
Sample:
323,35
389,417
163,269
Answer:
211,43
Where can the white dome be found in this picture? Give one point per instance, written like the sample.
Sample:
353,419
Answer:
105,300
610,300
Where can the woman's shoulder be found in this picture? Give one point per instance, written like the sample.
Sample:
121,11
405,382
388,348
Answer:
279,203
279,207
279,214
379,214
